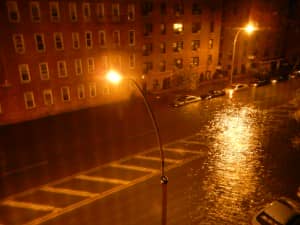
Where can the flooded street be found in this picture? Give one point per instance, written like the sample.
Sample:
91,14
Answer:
254,155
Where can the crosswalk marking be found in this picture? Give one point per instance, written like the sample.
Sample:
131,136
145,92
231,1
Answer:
138,168
157,159
68,191
179,150
102,179
190,142
28,205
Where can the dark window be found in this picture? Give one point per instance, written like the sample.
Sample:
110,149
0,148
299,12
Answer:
196,27
196,9
163,8
147,8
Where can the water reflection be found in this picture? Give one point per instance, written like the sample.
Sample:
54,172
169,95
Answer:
234,169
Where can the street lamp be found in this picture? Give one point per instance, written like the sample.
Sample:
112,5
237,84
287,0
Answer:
115,77
248,29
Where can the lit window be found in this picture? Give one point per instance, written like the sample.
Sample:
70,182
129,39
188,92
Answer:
88,40
210,43
58,41
81,91
147,49
78,67
131,37
13,11
29,100
54,11
86,11
40,42
44,71
162,47
177,28
100,11
92,88
195,61
116,38
65,94
75,40
48,97
163,28
178,46
195,45
24,73
102,38
178,63
90,65
62,69
131,12
73,12
131,61
19,43
116,12
35,11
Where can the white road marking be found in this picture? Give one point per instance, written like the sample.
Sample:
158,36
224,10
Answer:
157,159
68,191
179,150
102,179
28,205
138,168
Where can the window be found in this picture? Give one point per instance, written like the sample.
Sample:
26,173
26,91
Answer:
13,11
81,91
131,12
92,88
209,59
195,45
58,41
73,12
19,43
29,100
75,40
54,11
35,11
178,46
88,40
86,11
212,26
147,66
24,73
116,38
147,49
196,27
210,43
178,9
40,42
177,28
163,28
178,63
90,65
195,61
44,71
163,8
131,37
100,11
78,67
147,7
48,97
115,12
162,47
65,94
162,66
131,61
196,9
148,28
102,38
62,69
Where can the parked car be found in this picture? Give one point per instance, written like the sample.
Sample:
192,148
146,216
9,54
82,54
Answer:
216,93
185,99
283,211
280,79
260,82
206,96
236,87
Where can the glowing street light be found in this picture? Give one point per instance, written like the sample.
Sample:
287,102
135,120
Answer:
248,29
114,77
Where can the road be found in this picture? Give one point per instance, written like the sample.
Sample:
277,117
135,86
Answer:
226,157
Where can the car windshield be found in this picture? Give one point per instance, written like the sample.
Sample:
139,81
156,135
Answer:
142,112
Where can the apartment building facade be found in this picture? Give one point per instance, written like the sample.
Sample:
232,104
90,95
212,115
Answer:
55,54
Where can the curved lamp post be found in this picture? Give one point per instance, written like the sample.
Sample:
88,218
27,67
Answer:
248,29
115,77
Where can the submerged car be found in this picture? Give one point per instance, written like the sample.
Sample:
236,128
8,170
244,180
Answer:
236,87
185,99
260,82
283,211
216,93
